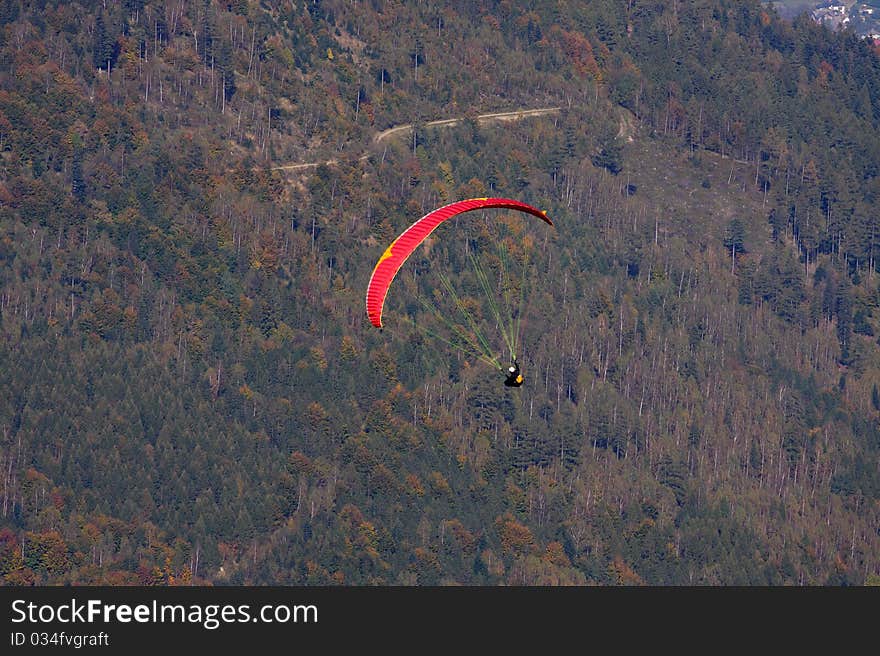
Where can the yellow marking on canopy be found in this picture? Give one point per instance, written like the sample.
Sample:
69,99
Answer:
387,253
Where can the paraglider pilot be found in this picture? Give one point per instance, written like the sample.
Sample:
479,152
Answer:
514,377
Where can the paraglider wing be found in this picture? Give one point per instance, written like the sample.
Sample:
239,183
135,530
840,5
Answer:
402,247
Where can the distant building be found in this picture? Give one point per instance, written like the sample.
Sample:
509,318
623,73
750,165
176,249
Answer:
834,16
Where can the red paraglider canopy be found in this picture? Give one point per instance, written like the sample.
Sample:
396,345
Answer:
402,247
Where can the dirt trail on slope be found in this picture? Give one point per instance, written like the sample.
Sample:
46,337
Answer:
627,125
447,122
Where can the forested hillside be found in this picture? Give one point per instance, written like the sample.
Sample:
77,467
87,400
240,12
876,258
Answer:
190,391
